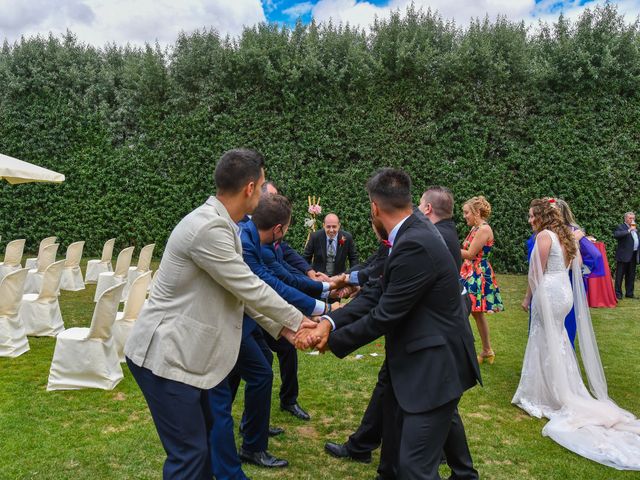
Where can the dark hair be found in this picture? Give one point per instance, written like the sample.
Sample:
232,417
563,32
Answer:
441,200
236,168
272,210
390,188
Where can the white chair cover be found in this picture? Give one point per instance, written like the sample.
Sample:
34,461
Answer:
33,284
144,262
13,339
109,279
32,262
71,273
96,267
40,313
12,257
87,357
125,319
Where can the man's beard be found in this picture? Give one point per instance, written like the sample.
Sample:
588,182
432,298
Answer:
384,235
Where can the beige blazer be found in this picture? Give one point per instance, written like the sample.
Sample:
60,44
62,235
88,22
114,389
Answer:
190,330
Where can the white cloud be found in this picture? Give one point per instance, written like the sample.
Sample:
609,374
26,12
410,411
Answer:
363,13
121,21
298,10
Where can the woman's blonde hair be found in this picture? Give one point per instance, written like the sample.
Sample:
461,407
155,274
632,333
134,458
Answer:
548,217
479,206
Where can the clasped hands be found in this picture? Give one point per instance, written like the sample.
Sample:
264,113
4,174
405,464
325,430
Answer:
313,335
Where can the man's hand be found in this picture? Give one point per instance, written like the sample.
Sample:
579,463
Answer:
290,335
316,337
318,276
338,281
344,292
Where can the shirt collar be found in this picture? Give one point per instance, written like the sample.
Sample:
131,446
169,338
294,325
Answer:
393,233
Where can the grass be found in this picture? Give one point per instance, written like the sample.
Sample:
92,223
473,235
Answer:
109,434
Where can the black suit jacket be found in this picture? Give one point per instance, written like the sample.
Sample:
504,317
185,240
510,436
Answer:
315,251
430,350
624,251
372,267
447,229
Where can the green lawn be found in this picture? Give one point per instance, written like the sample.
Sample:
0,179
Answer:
97,434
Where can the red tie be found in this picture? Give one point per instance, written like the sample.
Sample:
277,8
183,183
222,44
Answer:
386,243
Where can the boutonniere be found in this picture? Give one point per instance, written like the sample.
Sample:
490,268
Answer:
341,241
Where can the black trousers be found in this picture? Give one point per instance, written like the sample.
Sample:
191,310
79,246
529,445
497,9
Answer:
418,440
628,271
376,427
288,359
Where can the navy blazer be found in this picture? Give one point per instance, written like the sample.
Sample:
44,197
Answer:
624,251
273,256
252,254
293,258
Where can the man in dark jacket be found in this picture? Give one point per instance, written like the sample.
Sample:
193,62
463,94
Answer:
437,205
329,249
627,256
430,356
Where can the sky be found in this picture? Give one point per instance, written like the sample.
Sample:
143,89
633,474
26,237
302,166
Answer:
146,21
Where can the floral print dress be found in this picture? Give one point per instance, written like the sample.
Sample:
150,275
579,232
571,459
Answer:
479,279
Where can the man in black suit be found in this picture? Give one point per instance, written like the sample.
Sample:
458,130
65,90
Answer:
627,254
430,354
436,204
329,249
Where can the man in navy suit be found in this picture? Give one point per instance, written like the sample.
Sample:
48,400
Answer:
627,256
269,223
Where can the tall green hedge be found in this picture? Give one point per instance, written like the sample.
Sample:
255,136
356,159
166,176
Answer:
494,109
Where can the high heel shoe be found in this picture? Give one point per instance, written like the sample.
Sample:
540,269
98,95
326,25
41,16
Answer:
489,357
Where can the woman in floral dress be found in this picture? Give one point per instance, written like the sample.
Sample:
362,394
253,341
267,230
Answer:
476,271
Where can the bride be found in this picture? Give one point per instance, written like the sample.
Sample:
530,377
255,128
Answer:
550,384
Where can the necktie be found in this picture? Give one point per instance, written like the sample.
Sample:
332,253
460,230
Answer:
386,243
331,257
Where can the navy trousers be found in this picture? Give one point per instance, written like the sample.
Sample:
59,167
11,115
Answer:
253,368
288,359
183,419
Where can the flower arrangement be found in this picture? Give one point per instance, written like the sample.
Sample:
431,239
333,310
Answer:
314,209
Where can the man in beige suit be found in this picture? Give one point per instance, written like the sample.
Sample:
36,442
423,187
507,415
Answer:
186,339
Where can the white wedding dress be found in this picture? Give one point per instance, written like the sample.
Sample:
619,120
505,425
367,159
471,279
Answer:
551,385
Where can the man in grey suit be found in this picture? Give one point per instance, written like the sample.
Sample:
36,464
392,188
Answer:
186,340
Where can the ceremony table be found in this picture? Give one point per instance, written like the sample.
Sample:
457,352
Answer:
601,292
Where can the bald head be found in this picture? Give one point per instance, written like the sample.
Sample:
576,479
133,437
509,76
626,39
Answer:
331,225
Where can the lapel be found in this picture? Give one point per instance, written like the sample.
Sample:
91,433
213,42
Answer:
323,243
407,223
338,247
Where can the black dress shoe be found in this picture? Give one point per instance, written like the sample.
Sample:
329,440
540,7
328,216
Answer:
340,450
262,459
296,411
618,296
275,431
630,296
